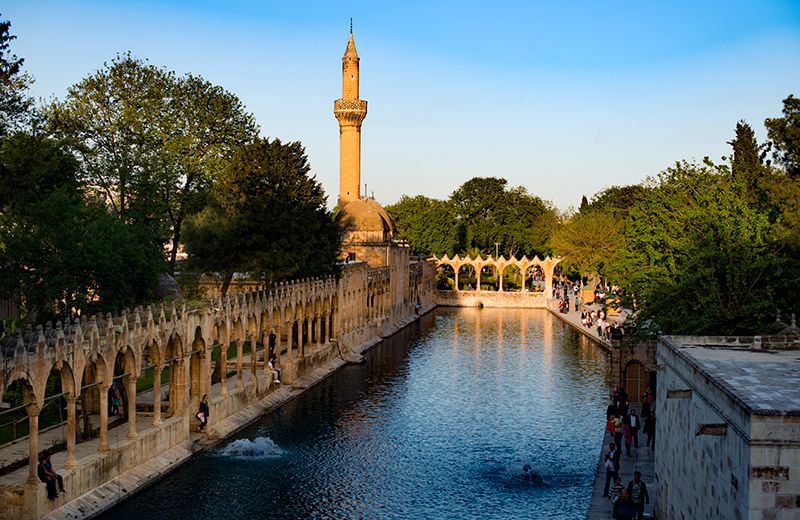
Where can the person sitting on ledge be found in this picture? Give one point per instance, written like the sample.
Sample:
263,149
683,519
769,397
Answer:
276,370
49,481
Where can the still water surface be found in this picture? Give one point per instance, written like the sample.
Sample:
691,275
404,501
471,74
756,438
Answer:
439,422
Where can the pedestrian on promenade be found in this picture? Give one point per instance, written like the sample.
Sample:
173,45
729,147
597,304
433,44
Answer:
616,489
634,423
203,414
618,429
647,403
622,402
613,454
611,410
637,491
650,429
626,432
624,508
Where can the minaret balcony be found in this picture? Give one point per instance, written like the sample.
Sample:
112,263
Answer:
350,111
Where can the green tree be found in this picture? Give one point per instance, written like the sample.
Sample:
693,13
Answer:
428,224
784,134
61,250
267,217
700,256
151,142
590,242
518,221
15,101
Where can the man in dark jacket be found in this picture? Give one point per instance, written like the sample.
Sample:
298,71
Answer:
634,423
637,491
624,508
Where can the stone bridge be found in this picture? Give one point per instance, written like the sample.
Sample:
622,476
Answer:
306,323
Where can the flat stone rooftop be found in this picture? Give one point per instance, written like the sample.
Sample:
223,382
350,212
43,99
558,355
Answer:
766,381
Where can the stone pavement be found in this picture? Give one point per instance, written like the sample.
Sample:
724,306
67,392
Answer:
641,458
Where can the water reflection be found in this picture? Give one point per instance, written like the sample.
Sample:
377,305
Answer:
467,414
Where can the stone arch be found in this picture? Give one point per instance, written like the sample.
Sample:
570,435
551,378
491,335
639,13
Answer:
174,362
122,391
488,278
512,277
534,278
468,277
198,378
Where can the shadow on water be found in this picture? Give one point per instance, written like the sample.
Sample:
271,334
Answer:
464,414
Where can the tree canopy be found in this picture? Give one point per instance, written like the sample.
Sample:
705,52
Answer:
59,247
267,216
152,143
784,133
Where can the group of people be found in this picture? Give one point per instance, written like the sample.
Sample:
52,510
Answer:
623,424
48,475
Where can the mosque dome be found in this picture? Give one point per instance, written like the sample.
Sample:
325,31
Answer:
364,220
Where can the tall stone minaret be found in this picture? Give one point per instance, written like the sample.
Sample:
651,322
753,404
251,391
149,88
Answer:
350,111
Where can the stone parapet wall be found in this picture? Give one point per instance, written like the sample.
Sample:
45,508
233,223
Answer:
776,342
489,299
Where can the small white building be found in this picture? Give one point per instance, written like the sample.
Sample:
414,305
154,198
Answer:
728,428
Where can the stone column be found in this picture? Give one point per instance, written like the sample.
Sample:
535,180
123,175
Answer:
498,274
157,396
71,462
455,277
103,389
130,387
33,442
239,344
223,357
253,356
318,322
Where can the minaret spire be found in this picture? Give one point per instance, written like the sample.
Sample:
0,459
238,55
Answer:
350,111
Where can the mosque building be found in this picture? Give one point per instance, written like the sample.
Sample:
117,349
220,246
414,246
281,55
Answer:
369,233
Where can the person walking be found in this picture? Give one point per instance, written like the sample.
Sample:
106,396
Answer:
650,429
637,491
203,414
634,423
624,508
613,455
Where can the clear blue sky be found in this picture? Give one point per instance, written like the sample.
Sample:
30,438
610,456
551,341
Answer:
564,98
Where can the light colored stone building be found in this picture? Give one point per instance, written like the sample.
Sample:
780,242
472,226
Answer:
728,428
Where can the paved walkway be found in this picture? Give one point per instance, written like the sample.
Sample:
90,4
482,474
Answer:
641,458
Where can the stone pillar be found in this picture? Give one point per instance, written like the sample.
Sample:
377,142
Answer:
71,462
455,277
33,442
103,418
157,396
223,357
130,387
253,357
318,322
498,275
239,344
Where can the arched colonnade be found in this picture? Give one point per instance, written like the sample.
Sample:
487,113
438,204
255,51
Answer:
547,265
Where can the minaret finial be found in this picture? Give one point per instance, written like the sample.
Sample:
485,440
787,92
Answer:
351,26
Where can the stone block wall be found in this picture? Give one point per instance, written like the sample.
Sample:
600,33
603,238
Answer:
698,475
